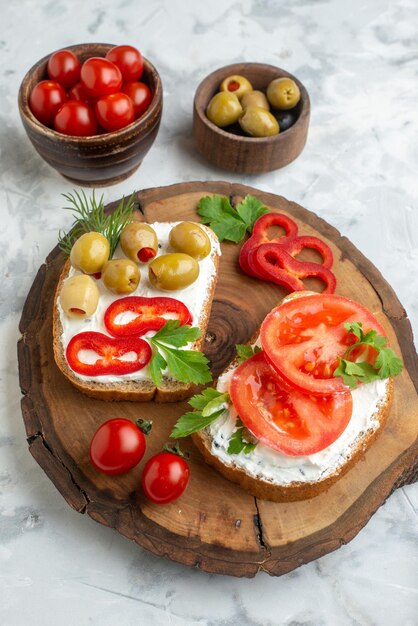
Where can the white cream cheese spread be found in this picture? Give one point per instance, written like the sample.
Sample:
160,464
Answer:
272,466
194,297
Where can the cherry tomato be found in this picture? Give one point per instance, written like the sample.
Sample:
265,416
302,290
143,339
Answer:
79,93
140,94
303,338
115,111
76,118
64,67
165,477
148,314
109,353
46,98
283,418
117,446
129,60
100,77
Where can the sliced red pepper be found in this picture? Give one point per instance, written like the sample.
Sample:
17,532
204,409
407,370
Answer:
297,244
260,235
110,354
150,314
274,263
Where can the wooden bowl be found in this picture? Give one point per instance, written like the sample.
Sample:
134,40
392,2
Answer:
102,159
238,152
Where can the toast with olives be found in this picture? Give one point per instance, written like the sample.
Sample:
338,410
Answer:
143,389
275,485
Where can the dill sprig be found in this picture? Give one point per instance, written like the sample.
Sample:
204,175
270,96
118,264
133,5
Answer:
89,215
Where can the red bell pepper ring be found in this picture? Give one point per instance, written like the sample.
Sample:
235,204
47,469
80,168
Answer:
260,235
109,353
150,314
297,244
274,263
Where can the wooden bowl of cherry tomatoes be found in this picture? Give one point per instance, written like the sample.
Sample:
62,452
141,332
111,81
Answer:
92,111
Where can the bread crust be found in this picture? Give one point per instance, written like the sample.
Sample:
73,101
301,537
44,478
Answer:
265,490
170,390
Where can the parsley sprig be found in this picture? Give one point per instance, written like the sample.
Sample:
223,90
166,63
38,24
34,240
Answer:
187,366
228,222
208,405
89,215
246,351
238,441
354,372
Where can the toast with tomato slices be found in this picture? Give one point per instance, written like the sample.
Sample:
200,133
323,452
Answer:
142,389
271,475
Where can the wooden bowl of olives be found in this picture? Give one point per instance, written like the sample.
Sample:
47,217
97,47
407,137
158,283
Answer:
251,117
99,159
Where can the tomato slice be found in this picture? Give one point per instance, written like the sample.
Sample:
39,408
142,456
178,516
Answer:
283,418
304,337
105,355
143,314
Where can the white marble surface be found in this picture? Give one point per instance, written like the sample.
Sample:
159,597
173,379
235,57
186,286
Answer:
359,61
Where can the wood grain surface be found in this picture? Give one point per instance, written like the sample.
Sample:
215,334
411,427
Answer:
215,525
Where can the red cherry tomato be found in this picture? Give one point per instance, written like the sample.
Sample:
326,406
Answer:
46,98
304,337
117,446
115,111
79,93
140,94
283,418
165,477
129,60
109,354
64,67
76,118
149,314
100,77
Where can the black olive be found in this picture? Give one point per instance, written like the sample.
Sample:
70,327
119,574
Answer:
286,119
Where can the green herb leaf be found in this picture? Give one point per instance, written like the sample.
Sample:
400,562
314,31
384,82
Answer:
214,208
230,228
89,215
223,219
192,422
156,367
249,210
238,444
200,400
245,351
187,366
215,405
175,335
354,372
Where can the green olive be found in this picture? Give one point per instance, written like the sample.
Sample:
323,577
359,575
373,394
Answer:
258,122
90,252
191,239
173,271
121,275
224,109
236,84
255,98
79,296
283,93
139,242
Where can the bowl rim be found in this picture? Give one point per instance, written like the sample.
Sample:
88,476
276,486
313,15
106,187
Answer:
37,126
304,108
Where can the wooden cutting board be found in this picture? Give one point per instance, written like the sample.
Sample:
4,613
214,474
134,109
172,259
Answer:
215,525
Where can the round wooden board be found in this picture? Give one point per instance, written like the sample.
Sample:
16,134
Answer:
216,525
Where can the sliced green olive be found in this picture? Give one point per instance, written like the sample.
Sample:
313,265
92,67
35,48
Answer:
79,296
191,239
139,242
121,275
258,122
173,271
236,84
283,93
224,109
255,98
90,252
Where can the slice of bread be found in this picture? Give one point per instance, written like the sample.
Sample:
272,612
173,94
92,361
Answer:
281,484
142,389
